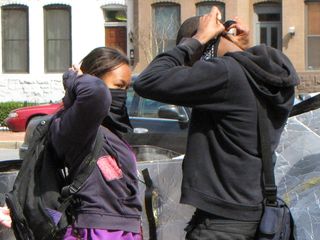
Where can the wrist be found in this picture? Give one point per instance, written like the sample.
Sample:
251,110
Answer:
203,40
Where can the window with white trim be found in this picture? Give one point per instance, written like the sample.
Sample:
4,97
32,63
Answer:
57,35
313,35
15,39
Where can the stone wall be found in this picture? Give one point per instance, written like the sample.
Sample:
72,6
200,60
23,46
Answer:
38,89
309,82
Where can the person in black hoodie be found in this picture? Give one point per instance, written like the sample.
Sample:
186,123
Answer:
222,165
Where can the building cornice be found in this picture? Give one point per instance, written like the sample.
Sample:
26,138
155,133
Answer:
8,2
111,2
28,2
62,2
165,1
266,1
203,1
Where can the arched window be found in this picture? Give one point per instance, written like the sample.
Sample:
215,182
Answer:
166,23
57,35
205,7
15,39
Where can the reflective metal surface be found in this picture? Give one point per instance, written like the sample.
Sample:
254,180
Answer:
298,172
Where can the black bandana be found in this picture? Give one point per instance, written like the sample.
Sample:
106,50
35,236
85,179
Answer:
211,50
117,120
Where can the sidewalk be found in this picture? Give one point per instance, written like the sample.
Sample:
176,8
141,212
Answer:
11,140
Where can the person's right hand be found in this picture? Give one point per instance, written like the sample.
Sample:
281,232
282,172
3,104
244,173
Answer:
5,218
209,27
241,38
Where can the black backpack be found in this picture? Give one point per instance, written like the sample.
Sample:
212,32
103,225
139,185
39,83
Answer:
42,185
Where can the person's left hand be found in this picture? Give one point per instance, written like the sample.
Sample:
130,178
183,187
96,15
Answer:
68,81
241,38
5,218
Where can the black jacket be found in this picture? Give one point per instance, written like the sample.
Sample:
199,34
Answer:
222,165
109,197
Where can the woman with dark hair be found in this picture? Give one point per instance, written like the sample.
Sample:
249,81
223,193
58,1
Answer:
95,98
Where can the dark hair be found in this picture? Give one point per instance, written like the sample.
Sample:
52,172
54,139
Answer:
188,28
101,60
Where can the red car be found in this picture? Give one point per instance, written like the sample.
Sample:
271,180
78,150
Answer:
18,119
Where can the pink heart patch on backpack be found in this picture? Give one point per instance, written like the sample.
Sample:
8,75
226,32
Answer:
109,168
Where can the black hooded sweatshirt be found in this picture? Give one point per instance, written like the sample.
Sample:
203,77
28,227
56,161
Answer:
222,165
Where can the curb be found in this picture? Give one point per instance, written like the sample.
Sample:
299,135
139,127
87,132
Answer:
11,144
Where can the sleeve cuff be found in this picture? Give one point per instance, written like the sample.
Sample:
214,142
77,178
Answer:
193,48
191,43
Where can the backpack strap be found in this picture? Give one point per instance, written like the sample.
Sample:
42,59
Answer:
84,171
86,167
270,188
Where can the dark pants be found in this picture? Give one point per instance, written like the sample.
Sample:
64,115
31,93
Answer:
205,226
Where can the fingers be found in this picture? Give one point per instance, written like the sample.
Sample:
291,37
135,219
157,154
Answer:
239,26
210,26
76,69
6,222
5,218
215,12
5,210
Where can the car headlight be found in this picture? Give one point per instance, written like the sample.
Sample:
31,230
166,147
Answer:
13,115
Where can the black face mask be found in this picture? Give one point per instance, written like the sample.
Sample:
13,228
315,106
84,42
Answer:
118,119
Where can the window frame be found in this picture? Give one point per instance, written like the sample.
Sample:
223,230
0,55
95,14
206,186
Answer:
213,3
308,35
46,40
155,49
268,8
26,40
114,7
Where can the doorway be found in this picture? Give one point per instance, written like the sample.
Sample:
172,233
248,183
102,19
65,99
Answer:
116,37
115,26
268,29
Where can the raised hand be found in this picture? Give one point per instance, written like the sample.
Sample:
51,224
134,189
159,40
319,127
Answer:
210,26
241,37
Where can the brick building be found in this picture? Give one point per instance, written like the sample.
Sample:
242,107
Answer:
42,38
289,25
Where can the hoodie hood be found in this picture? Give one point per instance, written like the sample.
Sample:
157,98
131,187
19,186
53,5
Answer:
273,74
273,77
268,66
